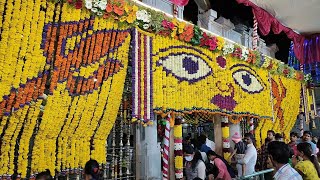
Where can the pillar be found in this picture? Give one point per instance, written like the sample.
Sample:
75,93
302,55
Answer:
225,136
217,134
148,156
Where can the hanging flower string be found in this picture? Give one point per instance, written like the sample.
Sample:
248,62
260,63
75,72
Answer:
178,153
142,79
80,62
225,137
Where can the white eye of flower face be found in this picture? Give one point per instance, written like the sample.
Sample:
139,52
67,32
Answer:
247,81
185,67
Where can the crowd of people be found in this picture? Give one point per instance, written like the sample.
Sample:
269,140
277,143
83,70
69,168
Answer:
296,160
91,172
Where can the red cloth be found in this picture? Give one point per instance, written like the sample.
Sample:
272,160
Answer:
266,21
180,2
312,49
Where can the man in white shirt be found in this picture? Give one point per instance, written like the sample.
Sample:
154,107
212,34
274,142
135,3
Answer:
250,157
279,155
210,144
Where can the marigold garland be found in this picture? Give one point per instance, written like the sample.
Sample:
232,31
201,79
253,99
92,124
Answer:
86,64
178,153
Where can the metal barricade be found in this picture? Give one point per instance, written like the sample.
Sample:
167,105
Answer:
257,175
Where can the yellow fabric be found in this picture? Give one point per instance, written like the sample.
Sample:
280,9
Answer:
308,170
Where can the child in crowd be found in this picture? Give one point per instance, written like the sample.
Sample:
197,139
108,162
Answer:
239,152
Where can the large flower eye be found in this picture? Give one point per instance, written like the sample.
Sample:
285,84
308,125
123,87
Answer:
247,81
185,67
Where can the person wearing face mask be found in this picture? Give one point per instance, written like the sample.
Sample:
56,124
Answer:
194,165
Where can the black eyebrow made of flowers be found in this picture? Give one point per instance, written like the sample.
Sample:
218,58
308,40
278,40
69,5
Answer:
242,65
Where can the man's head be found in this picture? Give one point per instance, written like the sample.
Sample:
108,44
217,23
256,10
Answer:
188,152
278,137
270,135
293,136
307,136
248,138
279,153
202,139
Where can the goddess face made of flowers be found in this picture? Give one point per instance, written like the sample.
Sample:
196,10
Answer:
196,78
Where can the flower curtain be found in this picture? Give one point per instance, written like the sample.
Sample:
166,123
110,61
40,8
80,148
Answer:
62,77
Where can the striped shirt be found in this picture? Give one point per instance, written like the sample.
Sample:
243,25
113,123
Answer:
286,172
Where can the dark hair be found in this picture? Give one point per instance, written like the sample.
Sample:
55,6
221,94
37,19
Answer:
197,156
249,135
271,131
307,151
279,151
197,178
92,168
46,175
188,149
202,139
307,132
230,169
278,136
293,134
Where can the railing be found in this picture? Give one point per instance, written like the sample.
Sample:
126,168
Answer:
259,174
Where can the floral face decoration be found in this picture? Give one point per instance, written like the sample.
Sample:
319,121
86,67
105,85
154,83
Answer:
191,78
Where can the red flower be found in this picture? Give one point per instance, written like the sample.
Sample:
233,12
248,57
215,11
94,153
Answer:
237,52
270,65
70,1
299,76
170,25
78,4
203,39
167,24
285,71
212,43
164,23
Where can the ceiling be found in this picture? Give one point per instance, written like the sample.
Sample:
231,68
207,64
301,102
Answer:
301,16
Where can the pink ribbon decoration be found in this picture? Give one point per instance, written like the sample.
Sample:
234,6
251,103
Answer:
180,2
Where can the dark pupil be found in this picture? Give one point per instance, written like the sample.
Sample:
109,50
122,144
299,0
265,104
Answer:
246,79
190,66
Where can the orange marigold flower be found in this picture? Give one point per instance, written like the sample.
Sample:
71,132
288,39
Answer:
118,10
109,8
